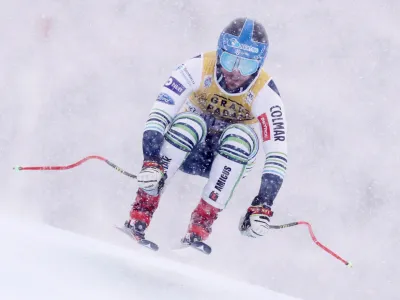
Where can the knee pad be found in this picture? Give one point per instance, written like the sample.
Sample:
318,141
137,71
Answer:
239,143
186,131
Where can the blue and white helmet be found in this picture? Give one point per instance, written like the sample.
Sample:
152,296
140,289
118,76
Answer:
245,39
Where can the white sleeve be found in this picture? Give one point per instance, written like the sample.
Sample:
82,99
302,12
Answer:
182,82
269,110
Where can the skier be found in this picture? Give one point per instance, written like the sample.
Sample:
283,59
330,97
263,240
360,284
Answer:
204,122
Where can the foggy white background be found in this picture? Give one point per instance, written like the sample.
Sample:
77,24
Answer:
79,78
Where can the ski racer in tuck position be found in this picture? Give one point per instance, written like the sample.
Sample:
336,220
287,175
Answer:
204,122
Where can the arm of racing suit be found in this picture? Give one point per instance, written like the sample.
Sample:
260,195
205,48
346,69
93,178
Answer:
269,110
182,82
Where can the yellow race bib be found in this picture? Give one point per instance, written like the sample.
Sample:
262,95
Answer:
211,99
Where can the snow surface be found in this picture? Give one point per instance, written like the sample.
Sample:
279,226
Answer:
43,263
79,78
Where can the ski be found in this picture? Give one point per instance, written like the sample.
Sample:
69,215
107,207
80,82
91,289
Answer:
141,241
202,247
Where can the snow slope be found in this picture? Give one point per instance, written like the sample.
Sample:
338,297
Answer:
42,262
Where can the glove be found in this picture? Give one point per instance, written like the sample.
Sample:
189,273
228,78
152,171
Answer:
256,221
151,177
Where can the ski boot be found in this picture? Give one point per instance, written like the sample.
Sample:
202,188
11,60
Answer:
141,213
140,216
200,227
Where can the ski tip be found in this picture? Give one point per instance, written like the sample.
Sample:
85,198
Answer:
149,244
349,264
202,247
155,247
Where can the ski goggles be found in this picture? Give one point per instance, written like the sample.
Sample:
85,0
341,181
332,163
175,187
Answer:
245,66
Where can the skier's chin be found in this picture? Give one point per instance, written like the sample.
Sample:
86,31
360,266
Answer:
232,85
234,80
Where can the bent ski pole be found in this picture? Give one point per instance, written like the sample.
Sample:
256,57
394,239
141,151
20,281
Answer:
78,163
115,167
347,263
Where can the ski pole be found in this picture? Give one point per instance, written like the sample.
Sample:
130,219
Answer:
78,163
115,167
347,263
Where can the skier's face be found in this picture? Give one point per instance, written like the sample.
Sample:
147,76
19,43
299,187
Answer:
234,79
